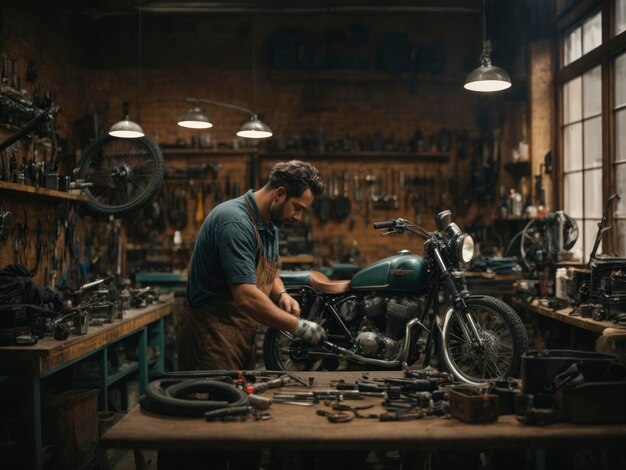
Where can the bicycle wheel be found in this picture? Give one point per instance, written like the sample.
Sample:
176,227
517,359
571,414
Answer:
125,174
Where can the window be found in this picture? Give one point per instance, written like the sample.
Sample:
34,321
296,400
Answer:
587,178
583,38
620,149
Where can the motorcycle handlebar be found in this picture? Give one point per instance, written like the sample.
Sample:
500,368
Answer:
385,224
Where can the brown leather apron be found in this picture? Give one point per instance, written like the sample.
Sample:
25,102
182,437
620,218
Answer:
218,335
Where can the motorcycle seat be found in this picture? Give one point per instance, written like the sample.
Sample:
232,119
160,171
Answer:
320,283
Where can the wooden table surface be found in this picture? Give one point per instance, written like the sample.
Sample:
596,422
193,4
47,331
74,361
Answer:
300,428
565,315
49,353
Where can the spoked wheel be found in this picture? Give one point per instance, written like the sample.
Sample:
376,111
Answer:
125,174
283,352
503,336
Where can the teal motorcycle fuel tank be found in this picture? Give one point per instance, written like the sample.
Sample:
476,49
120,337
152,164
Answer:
403,272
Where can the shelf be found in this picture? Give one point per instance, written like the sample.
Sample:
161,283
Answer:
120,374
297,259
189,152
443,156
41,191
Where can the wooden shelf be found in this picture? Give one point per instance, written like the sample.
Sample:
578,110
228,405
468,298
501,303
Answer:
188,152
297,259
121,373
41,191
442,156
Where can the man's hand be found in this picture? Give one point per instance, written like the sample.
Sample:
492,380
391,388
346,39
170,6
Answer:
309,332
289,304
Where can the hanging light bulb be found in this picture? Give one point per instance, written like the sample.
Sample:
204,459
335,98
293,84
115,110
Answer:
487,78
255,129
126,129
195,118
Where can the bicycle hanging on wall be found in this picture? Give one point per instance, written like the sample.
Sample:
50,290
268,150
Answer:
116,175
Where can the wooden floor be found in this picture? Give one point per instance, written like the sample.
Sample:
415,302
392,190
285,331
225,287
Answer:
127,459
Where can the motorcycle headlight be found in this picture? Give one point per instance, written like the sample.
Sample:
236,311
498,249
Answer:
465,248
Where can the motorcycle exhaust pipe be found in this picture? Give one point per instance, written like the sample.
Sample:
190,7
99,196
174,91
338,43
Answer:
404,352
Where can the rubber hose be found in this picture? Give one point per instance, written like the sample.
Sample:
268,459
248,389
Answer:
162,396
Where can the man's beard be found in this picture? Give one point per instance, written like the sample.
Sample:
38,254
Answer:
276,214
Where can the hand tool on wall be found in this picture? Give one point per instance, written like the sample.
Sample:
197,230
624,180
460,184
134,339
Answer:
369,180
227,188
219,195
358,197
323,205
342,203
335,195
199,205
394,190
5,71
14,76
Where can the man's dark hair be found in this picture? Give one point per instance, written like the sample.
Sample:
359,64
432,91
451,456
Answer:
296,176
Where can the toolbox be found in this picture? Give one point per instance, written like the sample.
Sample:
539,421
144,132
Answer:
539,368
595,403
472,406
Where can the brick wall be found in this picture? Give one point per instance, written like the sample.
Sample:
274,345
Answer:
95,66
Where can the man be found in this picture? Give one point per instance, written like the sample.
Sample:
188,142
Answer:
233,280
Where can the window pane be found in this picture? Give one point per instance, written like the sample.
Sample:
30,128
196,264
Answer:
620,16
592,33
591,229
593,143
573,43
620,225
592,89
620,187
593,193
620,80
620,135
573,194
572,101
573,147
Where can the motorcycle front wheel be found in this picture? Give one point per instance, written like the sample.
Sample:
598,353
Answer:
503,336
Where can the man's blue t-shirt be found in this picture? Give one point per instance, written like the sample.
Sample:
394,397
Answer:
226,250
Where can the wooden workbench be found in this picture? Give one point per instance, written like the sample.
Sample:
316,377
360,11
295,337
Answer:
564,315
294,428
606,333
49,356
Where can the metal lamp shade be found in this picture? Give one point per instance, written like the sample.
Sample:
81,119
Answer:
126,129
487,78
195,118
255,129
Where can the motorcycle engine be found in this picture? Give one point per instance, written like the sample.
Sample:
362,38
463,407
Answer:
373,344
382,331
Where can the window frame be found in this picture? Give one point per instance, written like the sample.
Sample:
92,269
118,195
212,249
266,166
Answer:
604,56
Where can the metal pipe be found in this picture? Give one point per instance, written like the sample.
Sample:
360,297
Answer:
402,357
220,8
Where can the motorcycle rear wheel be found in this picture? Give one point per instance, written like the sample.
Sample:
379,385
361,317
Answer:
504,337
283,352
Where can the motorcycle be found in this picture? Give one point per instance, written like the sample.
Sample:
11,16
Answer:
388,314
